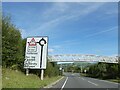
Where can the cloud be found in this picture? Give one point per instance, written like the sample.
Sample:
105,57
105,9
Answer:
50,50
56,9
113,55
60,13
56,46
111,12
94,34
23,33
54,49
47,25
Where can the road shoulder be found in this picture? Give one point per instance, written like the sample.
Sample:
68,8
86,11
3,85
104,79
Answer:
50,85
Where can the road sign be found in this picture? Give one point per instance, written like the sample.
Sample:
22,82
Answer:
36,53
32,46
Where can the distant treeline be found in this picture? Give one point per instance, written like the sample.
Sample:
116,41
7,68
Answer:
104,71
13,49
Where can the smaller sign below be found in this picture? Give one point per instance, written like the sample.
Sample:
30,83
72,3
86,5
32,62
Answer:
30,61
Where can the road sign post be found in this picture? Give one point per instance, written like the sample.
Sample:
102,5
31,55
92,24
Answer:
42,42
42,74
27,72
36,54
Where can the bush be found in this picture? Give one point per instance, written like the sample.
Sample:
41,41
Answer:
104,71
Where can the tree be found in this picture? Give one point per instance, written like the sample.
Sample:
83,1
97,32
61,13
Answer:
51,70
104,71
101,70
21,62
11,44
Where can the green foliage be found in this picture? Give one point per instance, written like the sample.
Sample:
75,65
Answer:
104,71
51,70
119,69
11,43
71,68
21,62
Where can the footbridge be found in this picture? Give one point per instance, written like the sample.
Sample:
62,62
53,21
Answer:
82,58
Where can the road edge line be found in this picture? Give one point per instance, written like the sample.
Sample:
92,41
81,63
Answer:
105,81
109,81
64,83
50,85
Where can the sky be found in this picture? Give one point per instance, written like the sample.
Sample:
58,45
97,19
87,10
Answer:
72,27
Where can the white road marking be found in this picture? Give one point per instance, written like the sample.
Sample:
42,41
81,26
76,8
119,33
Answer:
93,83
64,83
83,79
105,81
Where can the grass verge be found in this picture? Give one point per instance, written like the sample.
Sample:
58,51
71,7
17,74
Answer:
17,79
114,80
83,74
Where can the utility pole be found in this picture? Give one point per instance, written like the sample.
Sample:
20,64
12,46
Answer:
42,74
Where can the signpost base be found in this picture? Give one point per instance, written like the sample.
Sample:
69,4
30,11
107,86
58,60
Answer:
27,72
42,74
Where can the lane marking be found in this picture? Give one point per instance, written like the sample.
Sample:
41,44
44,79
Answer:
64,83
93,83
105,81
83,79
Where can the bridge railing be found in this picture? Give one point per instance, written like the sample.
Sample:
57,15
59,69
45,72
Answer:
82,58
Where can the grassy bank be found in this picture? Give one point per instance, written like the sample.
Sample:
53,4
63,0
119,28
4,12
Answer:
83,74
114,80
111,80
17,79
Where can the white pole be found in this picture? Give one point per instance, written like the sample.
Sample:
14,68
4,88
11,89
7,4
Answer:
81,69
27,72
42,74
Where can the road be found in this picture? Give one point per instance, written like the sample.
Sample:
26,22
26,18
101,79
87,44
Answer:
74,80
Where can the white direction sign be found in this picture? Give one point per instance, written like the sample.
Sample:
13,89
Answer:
36,53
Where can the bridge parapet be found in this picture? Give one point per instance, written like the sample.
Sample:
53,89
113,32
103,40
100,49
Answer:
82,58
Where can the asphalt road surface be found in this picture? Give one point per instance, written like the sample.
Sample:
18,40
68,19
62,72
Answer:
74,80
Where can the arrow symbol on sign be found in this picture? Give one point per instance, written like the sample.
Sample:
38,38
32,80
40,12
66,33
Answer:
42,42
